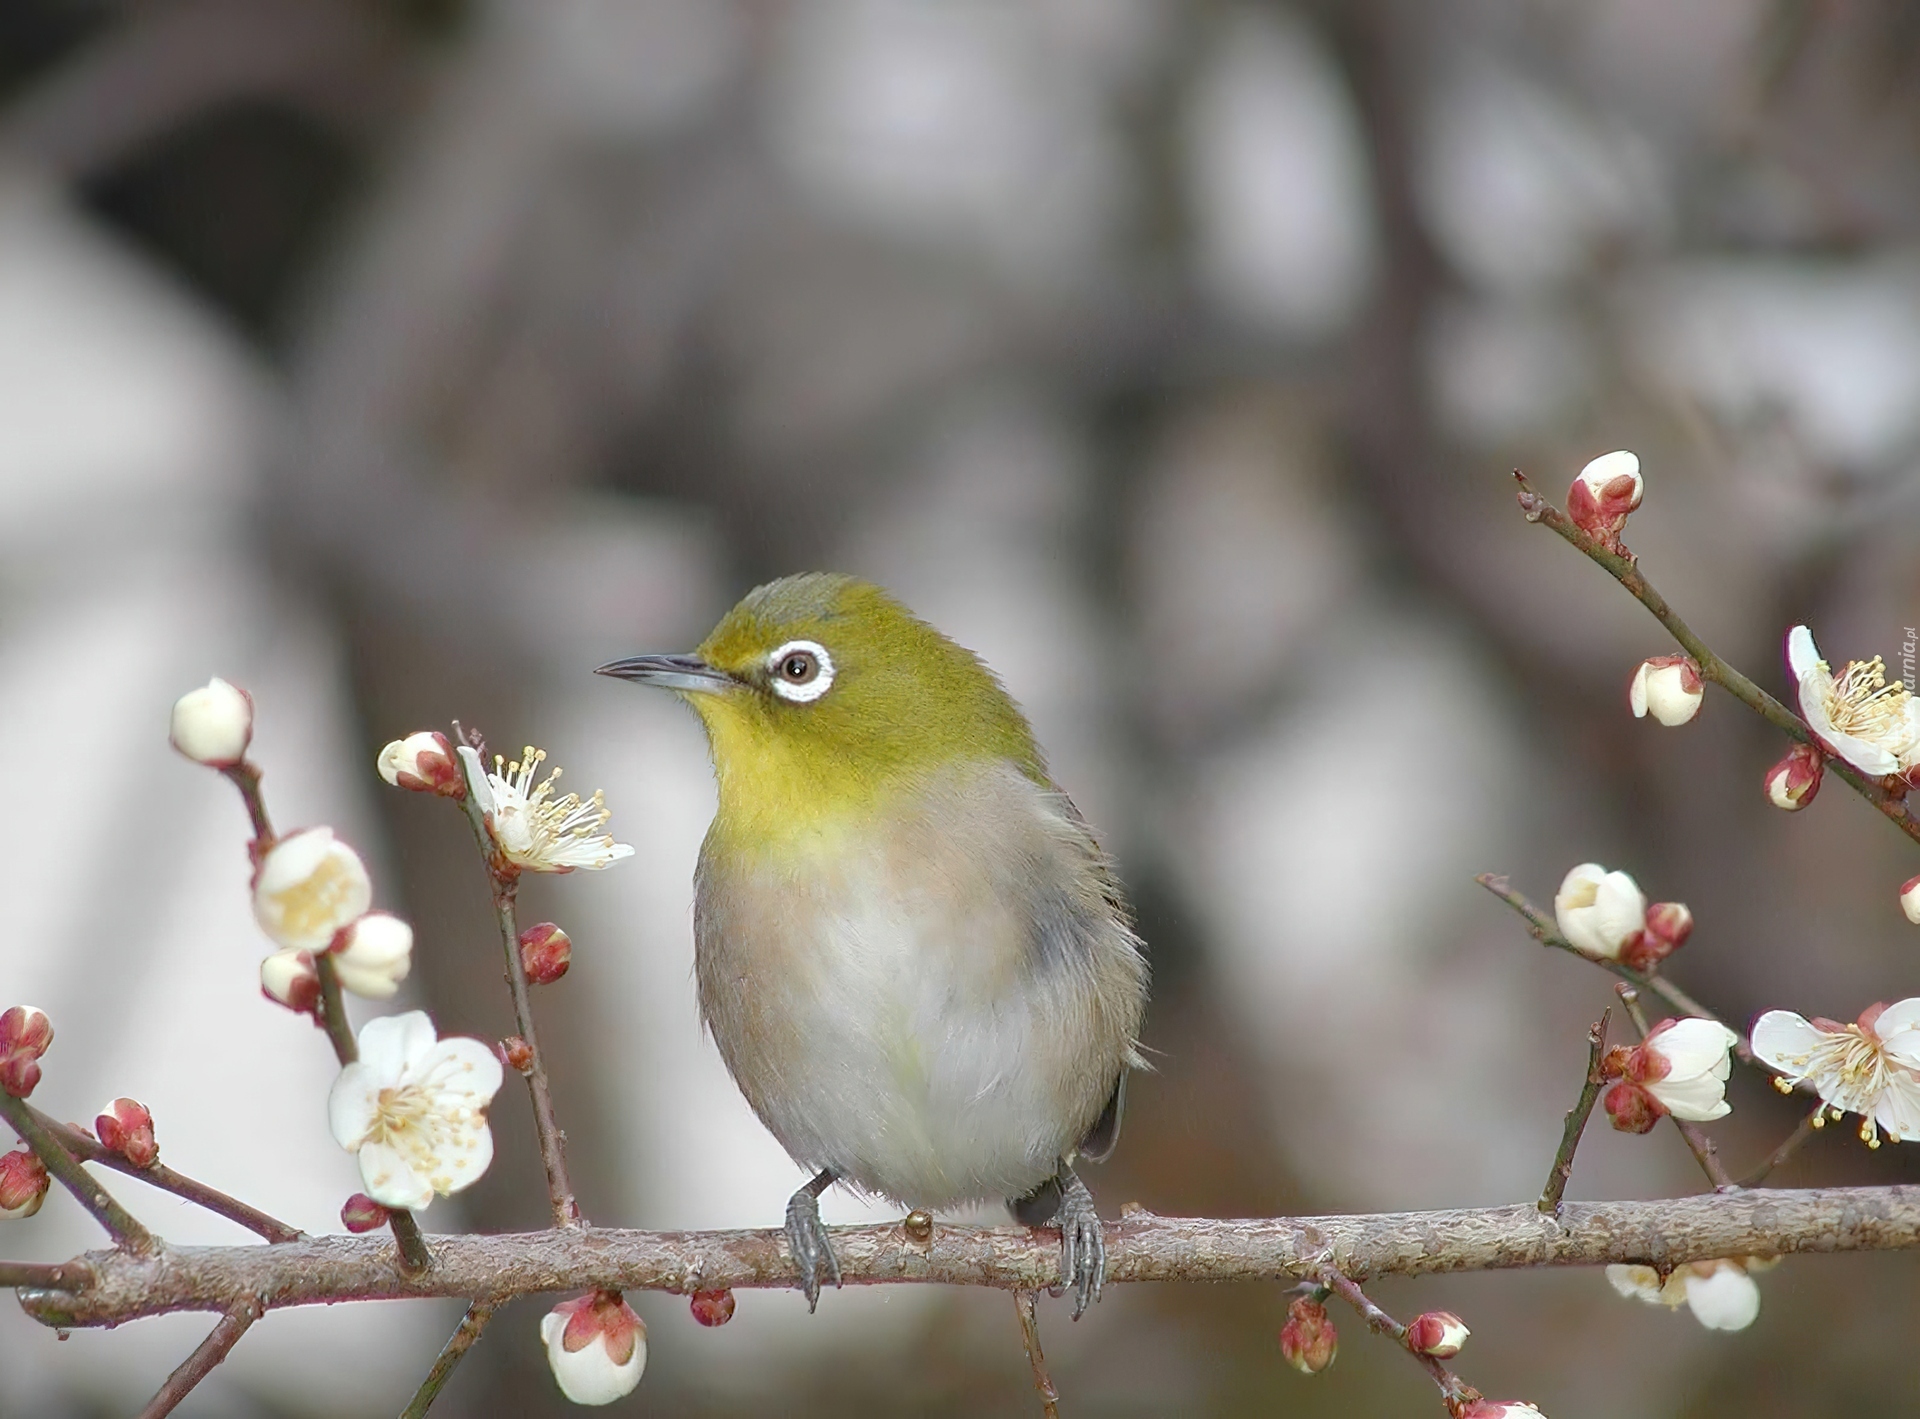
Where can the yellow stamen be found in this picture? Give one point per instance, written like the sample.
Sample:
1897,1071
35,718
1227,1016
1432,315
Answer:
1862,704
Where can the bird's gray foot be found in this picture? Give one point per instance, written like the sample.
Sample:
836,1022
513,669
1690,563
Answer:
807,1239
1063,1200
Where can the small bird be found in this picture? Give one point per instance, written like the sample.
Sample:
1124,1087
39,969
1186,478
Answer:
911,951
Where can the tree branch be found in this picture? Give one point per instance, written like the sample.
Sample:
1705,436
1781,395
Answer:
125,1229
1627,572
1562,1170
471,1325
1141,1247
1025,1305
210,1352
1453,1390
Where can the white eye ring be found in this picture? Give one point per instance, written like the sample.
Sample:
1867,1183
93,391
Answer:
810,688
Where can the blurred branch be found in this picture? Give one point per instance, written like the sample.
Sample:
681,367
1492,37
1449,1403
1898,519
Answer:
1625,571
1141,1247
210,1352
1787,1149
471,1326
1025,1303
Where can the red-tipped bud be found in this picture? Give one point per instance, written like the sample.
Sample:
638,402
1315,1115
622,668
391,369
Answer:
424,763
361,1213
23,1184
25,1034
712,1307
1668,687
1792,783
290,978
1308,1341
1631,1109
1440,1334
596,1347
1910,899
125,1127
1668,926
1606,491
545,952
517,1053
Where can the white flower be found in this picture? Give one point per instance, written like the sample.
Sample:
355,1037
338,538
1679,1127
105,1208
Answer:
1697,1055
373,955
414,1108
1865,1068
1857,715
1910,899
596,1347
213,724
532,831
1599,911
1721,1295
310,886
422,762
1668,687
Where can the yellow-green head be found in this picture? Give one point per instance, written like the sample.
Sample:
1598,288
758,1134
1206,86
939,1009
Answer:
821,695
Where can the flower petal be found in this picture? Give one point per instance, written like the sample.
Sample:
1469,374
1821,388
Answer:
1695,1046
1638,1283
351,1106
1785,1041
391,1044
460,1066
1897,1018
1701,1099
390,1180
1897,1110
1726,1300
1802,656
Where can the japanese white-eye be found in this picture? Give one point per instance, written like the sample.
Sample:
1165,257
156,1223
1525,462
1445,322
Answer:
910,949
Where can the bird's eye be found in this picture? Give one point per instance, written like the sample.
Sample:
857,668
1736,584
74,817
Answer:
800,671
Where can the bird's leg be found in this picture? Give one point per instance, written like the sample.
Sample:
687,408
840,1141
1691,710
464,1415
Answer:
807,1239
1064,1201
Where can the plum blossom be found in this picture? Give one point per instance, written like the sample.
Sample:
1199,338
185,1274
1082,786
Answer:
1668,687
1598,911
1856,715
373,955
309,886
596,1347
422,762
413,1108
214,724
534,831
1721,1294
1866,1068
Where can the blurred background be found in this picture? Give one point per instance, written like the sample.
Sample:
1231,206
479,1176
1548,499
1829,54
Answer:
403,361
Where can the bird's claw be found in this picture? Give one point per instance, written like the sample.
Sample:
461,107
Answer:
807,1240
1083,1246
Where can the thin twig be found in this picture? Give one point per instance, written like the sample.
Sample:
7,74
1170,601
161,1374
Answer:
1576,1124
65,1276
210,1352
471,1325
1663,1234
1705,1153
1453,1390
503,880
245,776
1787,1149
1626,571
1544,929
125,1229
1024,1306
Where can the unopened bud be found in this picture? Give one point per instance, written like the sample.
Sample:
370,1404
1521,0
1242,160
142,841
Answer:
517,1053
361,1213
1440,1334
1668,926
214,724
23,1184
25,1034
545,953
373,955
596,1347
1607,490
1792,783
290,978
125,1127
1308,1341
423,762
1631,1109
1599,912
1910,899
712,1307
1668,687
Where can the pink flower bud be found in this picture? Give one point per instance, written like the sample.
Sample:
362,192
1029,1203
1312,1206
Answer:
1308,1341
1606,491
373,954
596,1347
1631,1109
25,1034
290,978
545,952
1668,687
125,1127
713,1307
1440,1334
1910,899
214,724
361,1213
1668,926
1793,782
423,762
23,1184
517,1053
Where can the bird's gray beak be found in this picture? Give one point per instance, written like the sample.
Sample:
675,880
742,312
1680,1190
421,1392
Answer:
670,672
